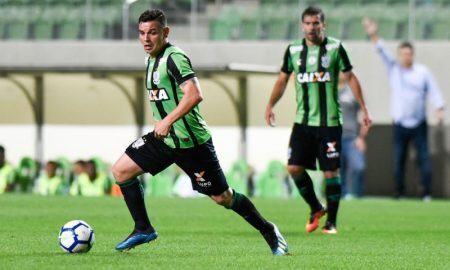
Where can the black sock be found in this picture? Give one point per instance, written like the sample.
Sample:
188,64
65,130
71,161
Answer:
133,194
245,208
333,193
306,189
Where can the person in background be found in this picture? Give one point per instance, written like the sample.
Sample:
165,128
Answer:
6,173
77,169
91,182
49,182
354,135
411,83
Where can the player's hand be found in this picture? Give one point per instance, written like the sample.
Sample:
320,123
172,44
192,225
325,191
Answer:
370,26
360,144
440,116
366,121
162,129
270,116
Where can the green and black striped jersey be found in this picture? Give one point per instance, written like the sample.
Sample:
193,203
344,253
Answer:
165,74
316,70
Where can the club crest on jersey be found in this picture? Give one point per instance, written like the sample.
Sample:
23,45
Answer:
158,94
311,77
312,60
325,61
156,77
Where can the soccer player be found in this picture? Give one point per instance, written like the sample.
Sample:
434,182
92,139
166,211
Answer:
180,136
316,61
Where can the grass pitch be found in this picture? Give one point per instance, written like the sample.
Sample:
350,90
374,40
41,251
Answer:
197,234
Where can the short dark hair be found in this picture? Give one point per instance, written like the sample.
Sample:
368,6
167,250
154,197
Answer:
2,149
153,15
313,11
406,44
53,163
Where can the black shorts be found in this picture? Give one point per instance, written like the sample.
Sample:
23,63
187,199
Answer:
310,143
199,163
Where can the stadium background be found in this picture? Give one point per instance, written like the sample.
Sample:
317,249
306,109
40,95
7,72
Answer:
74,59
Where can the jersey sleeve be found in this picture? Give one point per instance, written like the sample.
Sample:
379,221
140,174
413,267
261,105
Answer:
344,61
286,66
180,68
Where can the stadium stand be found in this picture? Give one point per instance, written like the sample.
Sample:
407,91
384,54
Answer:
227,20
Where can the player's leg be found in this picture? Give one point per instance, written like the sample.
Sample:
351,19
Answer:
302,155
333,196
346,167
202,166
144,155
357,166
401,141
240,204
329,150
421,142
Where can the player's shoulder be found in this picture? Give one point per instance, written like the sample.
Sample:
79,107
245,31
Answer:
295,46
332,43
174,51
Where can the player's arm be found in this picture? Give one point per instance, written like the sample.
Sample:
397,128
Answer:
277,93
372,30
192,96
436,96
355,86
279,87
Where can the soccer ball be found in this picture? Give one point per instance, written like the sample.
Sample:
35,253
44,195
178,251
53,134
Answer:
76,236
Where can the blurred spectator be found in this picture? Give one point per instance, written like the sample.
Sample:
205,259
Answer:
274,182
49,182
354,135
91,182
26,173
410,84
6,173
77,169
240,177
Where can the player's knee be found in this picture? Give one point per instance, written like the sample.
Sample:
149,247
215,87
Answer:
295,170
330,174
119,173
225,199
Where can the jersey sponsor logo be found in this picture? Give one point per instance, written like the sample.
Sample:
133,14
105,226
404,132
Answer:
158,94
200,180
311,77
331,150
330,47
325,61
295,49
156,77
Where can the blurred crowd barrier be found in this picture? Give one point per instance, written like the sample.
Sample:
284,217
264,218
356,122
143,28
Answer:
92,178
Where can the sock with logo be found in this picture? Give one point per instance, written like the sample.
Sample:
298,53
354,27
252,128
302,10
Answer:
305,187
133,193
333,193
245,208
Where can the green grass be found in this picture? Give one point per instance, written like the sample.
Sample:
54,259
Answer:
196,234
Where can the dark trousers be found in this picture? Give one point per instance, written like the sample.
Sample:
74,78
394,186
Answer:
402,137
